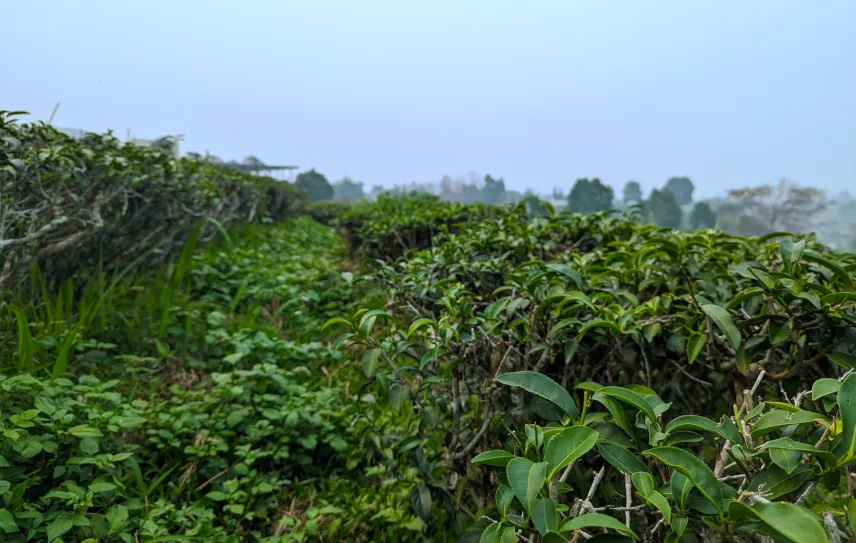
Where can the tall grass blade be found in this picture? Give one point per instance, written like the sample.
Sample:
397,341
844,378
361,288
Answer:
26,346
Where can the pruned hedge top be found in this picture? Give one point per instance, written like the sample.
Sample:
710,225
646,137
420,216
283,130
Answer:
70,203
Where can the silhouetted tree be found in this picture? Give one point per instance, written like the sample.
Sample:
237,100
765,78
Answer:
589,196
315,184
702,216
376,191
632,193
493,190
765,209
535,206
347,189
663,209
682,188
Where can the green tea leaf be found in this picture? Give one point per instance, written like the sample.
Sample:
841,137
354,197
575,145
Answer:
496,457
847,412
504,497
417,324
541,385
621,458
691,467
788,444
596,520
844,360
824,387
526,479
544,515
779,418
786,459
629,397
694,346
796,523
722,318
370,361
775,482
694,422
839,297
569,445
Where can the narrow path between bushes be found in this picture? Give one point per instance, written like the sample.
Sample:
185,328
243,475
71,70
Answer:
204,401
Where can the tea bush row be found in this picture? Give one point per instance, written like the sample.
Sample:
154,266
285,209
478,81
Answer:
596,301
97,203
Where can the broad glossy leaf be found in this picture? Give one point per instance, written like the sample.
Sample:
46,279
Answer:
370,360
621,458
839,297
844,360
420,497
683,437
591,386
495,457
680,485
600,323
786,459
492,534
619,417
695,345
695,422
851,512
544,515
847,412
786,443
824,387
342,339
541,385
836,269
629,397
722,318
643,482
796,523
567,271
526,479
779,418
336,320
596,520
776,483
608,538
504,497
693,468
368,319
660,503
569,445
417,324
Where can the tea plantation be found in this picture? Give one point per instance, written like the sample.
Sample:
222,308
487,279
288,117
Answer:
190,353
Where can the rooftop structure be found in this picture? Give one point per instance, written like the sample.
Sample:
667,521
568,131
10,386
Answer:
253,165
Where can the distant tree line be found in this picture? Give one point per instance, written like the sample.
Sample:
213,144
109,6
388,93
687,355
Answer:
752,211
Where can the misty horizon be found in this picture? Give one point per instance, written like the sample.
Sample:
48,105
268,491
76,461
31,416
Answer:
722,94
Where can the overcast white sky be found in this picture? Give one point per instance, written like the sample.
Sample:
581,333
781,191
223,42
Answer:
730,93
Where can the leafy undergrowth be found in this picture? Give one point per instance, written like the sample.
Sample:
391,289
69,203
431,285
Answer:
203,402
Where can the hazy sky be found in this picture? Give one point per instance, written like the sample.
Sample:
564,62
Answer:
731,93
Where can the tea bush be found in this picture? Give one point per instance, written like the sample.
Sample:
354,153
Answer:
98,203
580,298
494,373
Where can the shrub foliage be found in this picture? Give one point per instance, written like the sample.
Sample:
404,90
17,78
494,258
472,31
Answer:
489,373
68,204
